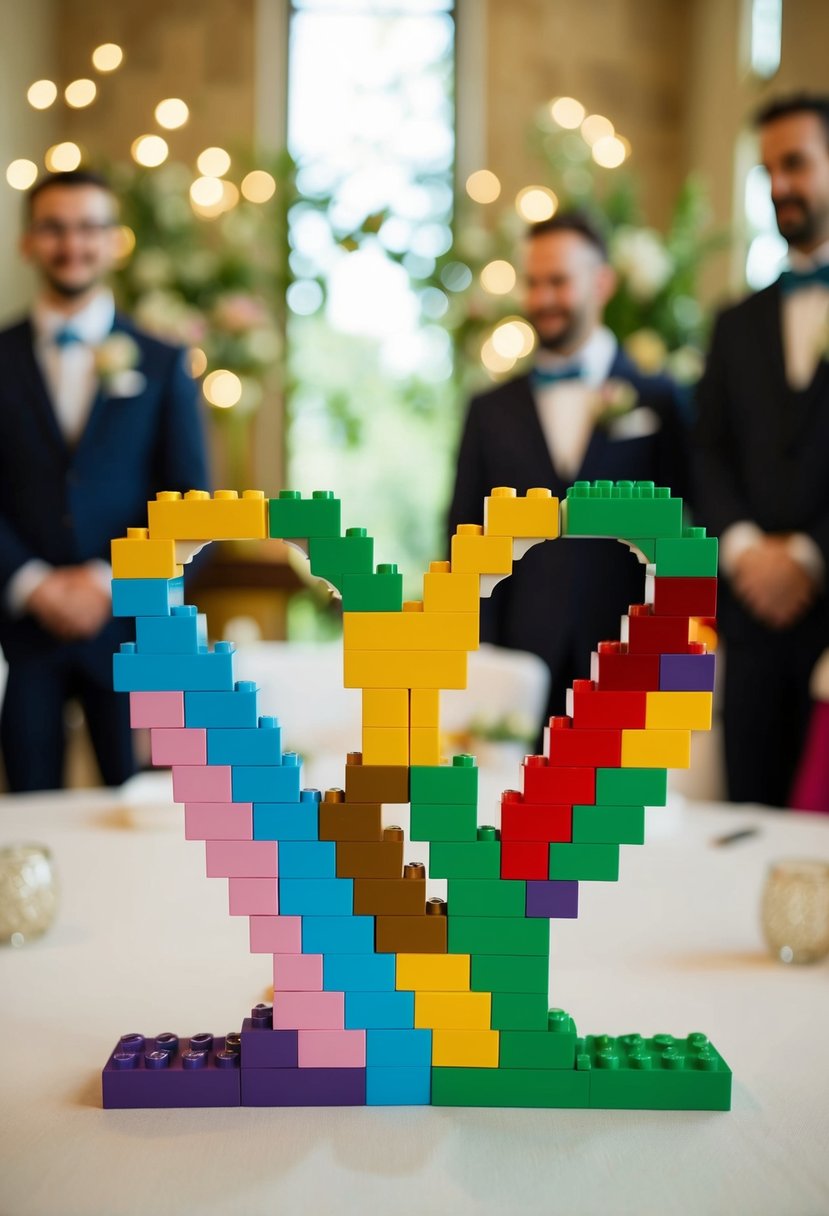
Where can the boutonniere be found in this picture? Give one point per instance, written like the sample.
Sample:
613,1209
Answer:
116,365
612,400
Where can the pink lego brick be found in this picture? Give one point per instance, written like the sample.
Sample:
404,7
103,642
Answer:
156,709
276,934
241,858
178,745
218,821
297,973
196,783
308,1010
253,896
332,1049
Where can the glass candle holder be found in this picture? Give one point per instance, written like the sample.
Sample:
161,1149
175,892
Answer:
795,911
28,892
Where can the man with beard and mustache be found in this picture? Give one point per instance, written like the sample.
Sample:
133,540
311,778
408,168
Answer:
763,466
80,455
545,428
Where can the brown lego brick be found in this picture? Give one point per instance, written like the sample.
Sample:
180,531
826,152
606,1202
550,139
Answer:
350,821
410,934
389,897
370,859
376,783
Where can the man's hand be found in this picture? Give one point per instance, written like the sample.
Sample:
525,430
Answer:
775,587
71,603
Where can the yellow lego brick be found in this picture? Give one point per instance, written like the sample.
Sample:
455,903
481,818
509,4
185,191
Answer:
136,556
197,516
433,972
410,630
424,707
474,553
386,707
453,1010
444,591
656,748
407,668
678,710
505,514
424,745
465,1048
385,745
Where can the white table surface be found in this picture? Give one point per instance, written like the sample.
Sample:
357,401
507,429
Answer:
143,942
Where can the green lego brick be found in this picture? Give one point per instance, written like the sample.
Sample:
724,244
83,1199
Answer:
519,1011
379,592
694,555
293,516
630,786
510,1087
625,509
465,859
490,897
455,783
662,1073
590,862
439,821
334,556
646,546
498,935
608,824
551,1048
510,973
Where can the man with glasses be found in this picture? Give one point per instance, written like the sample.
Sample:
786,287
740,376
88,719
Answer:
95,418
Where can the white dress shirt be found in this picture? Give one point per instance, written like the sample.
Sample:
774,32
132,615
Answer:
565,410
72,382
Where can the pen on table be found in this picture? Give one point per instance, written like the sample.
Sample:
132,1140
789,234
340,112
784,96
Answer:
734,837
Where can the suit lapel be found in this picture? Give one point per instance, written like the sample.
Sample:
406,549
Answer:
39,394
101,401
525,419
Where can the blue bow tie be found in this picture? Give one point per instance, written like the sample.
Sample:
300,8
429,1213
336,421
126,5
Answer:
795,280
66,337
543,377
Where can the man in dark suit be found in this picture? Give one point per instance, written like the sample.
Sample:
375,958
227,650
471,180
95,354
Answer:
555,426
763,467
95,417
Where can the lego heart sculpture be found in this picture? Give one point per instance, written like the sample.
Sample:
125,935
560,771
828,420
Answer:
382,995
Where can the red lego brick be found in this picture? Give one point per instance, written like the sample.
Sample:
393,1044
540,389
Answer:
594,709
649,634
525,859
549,783
569,748
521,821
615,669
685,596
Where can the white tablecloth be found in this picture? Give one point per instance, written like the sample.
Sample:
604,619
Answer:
143,942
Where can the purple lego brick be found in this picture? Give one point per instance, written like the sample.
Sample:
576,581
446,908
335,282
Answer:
144,1072
687,672
303,1086
263,1047
556,898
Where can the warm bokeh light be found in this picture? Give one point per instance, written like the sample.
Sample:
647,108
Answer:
222,389
258,186
513,339
625,144
62,158
230,196
149,151
213,162
206,192
124,243
21,174
483,186
609,152
498,278
172,113
567,112
107,57
41,94
596,127
80,93
535,203
493,362
198,362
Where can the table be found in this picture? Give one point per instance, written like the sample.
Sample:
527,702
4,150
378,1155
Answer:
143,942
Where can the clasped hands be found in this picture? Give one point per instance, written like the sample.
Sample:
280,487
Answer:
774,586
71,603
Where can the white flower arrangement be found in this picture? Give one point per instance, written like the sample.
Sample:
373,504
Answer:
642,261
116,364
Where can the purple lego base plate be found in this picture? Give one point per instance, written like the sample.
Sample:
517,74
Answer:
165,1072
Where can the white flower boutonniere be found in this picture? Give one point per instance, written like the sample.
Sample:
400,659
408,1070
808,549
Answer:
612,400
116,364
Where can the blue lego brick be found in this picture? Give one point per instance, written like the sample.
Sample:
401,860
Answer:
379,1010
398,1086
241,746
288,820
398,1048
238,707
183,632
133,672
316,896
358,972
146,596
307,859
268,782
337,934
